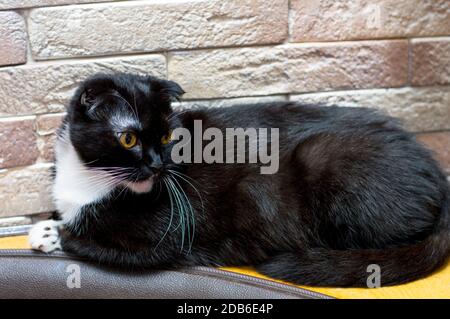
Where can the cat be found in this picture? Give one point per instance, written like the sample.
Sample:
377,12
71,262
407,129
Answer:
353,189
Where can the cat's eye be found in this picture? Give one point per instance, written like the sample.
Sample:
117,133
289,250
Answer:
166,138
128,139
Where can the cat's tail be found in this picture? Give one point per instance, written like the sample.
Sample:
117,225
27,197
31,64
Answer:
322,267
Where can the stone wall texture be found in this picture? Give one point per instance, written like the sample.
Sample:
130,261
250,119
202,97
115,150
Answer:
392,55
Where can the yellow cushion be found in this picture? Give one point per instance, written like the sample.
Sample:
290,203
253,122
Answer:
14,242
435,286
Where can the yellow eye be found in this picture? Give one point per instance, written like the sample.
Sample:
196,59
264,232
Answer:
166,138
128,140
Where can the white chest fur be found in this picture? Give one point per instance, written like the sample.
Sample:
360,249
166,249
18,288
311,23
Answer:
75,186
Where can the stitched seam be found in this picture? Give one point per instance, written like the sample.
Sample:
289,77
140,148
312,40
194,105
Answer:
246,279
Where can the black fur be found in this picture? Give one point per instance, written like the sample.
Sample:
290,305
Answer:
353,189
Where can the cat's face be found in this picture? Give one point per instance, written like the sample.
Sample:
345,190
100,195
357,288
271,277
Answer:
121,125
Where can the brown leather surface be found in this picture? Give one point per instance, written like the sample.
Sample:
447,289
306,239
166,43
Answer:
29,274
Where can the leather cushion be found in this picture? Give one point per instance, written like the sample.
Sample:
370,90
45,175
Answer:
30,274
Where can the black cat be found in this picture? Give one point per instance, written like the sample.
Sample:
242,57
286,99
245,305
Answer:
352,189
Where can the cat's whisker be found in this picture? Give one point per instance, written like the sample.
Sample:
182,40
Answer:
190,212
127,103
176,113
94,179
112,167
183,175
134,102
110,170
99,172
159,187
180,210
104,173
91,182
95,182
125,187
91,162
100,185
187,210
171,213
180,175
185,178
117,175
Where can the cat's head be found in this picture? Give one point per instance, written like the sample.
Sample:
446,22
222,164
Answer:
121,124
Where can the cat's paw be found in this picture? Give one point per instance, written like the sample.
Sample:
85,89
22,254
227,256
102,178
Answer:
44,236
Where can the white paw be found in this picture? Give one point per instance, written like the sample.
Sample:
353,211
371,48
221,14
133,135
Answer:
44,236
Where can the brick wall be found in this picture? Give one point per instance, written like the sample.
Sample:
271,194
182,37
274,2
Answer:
393,55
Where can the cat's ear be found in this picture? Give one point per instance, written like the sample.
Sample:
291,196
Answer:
169,90
87,98
88,101
91,92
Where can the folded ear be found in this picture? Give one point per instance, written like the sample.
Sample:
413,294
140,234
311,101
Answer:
88,95
170,90
87,98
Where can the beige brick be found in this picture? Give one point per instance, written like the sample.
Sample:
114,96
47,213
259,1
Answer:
48,124
439,142
430,61
289,68
44,88
15,221
25,191
144,27
17,142
421,109
17,4
46,146
228,102
331,20
13,39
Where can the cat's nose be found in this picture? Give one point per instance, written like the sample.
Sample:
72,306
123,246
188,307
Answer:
155,167
151,168
154,162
